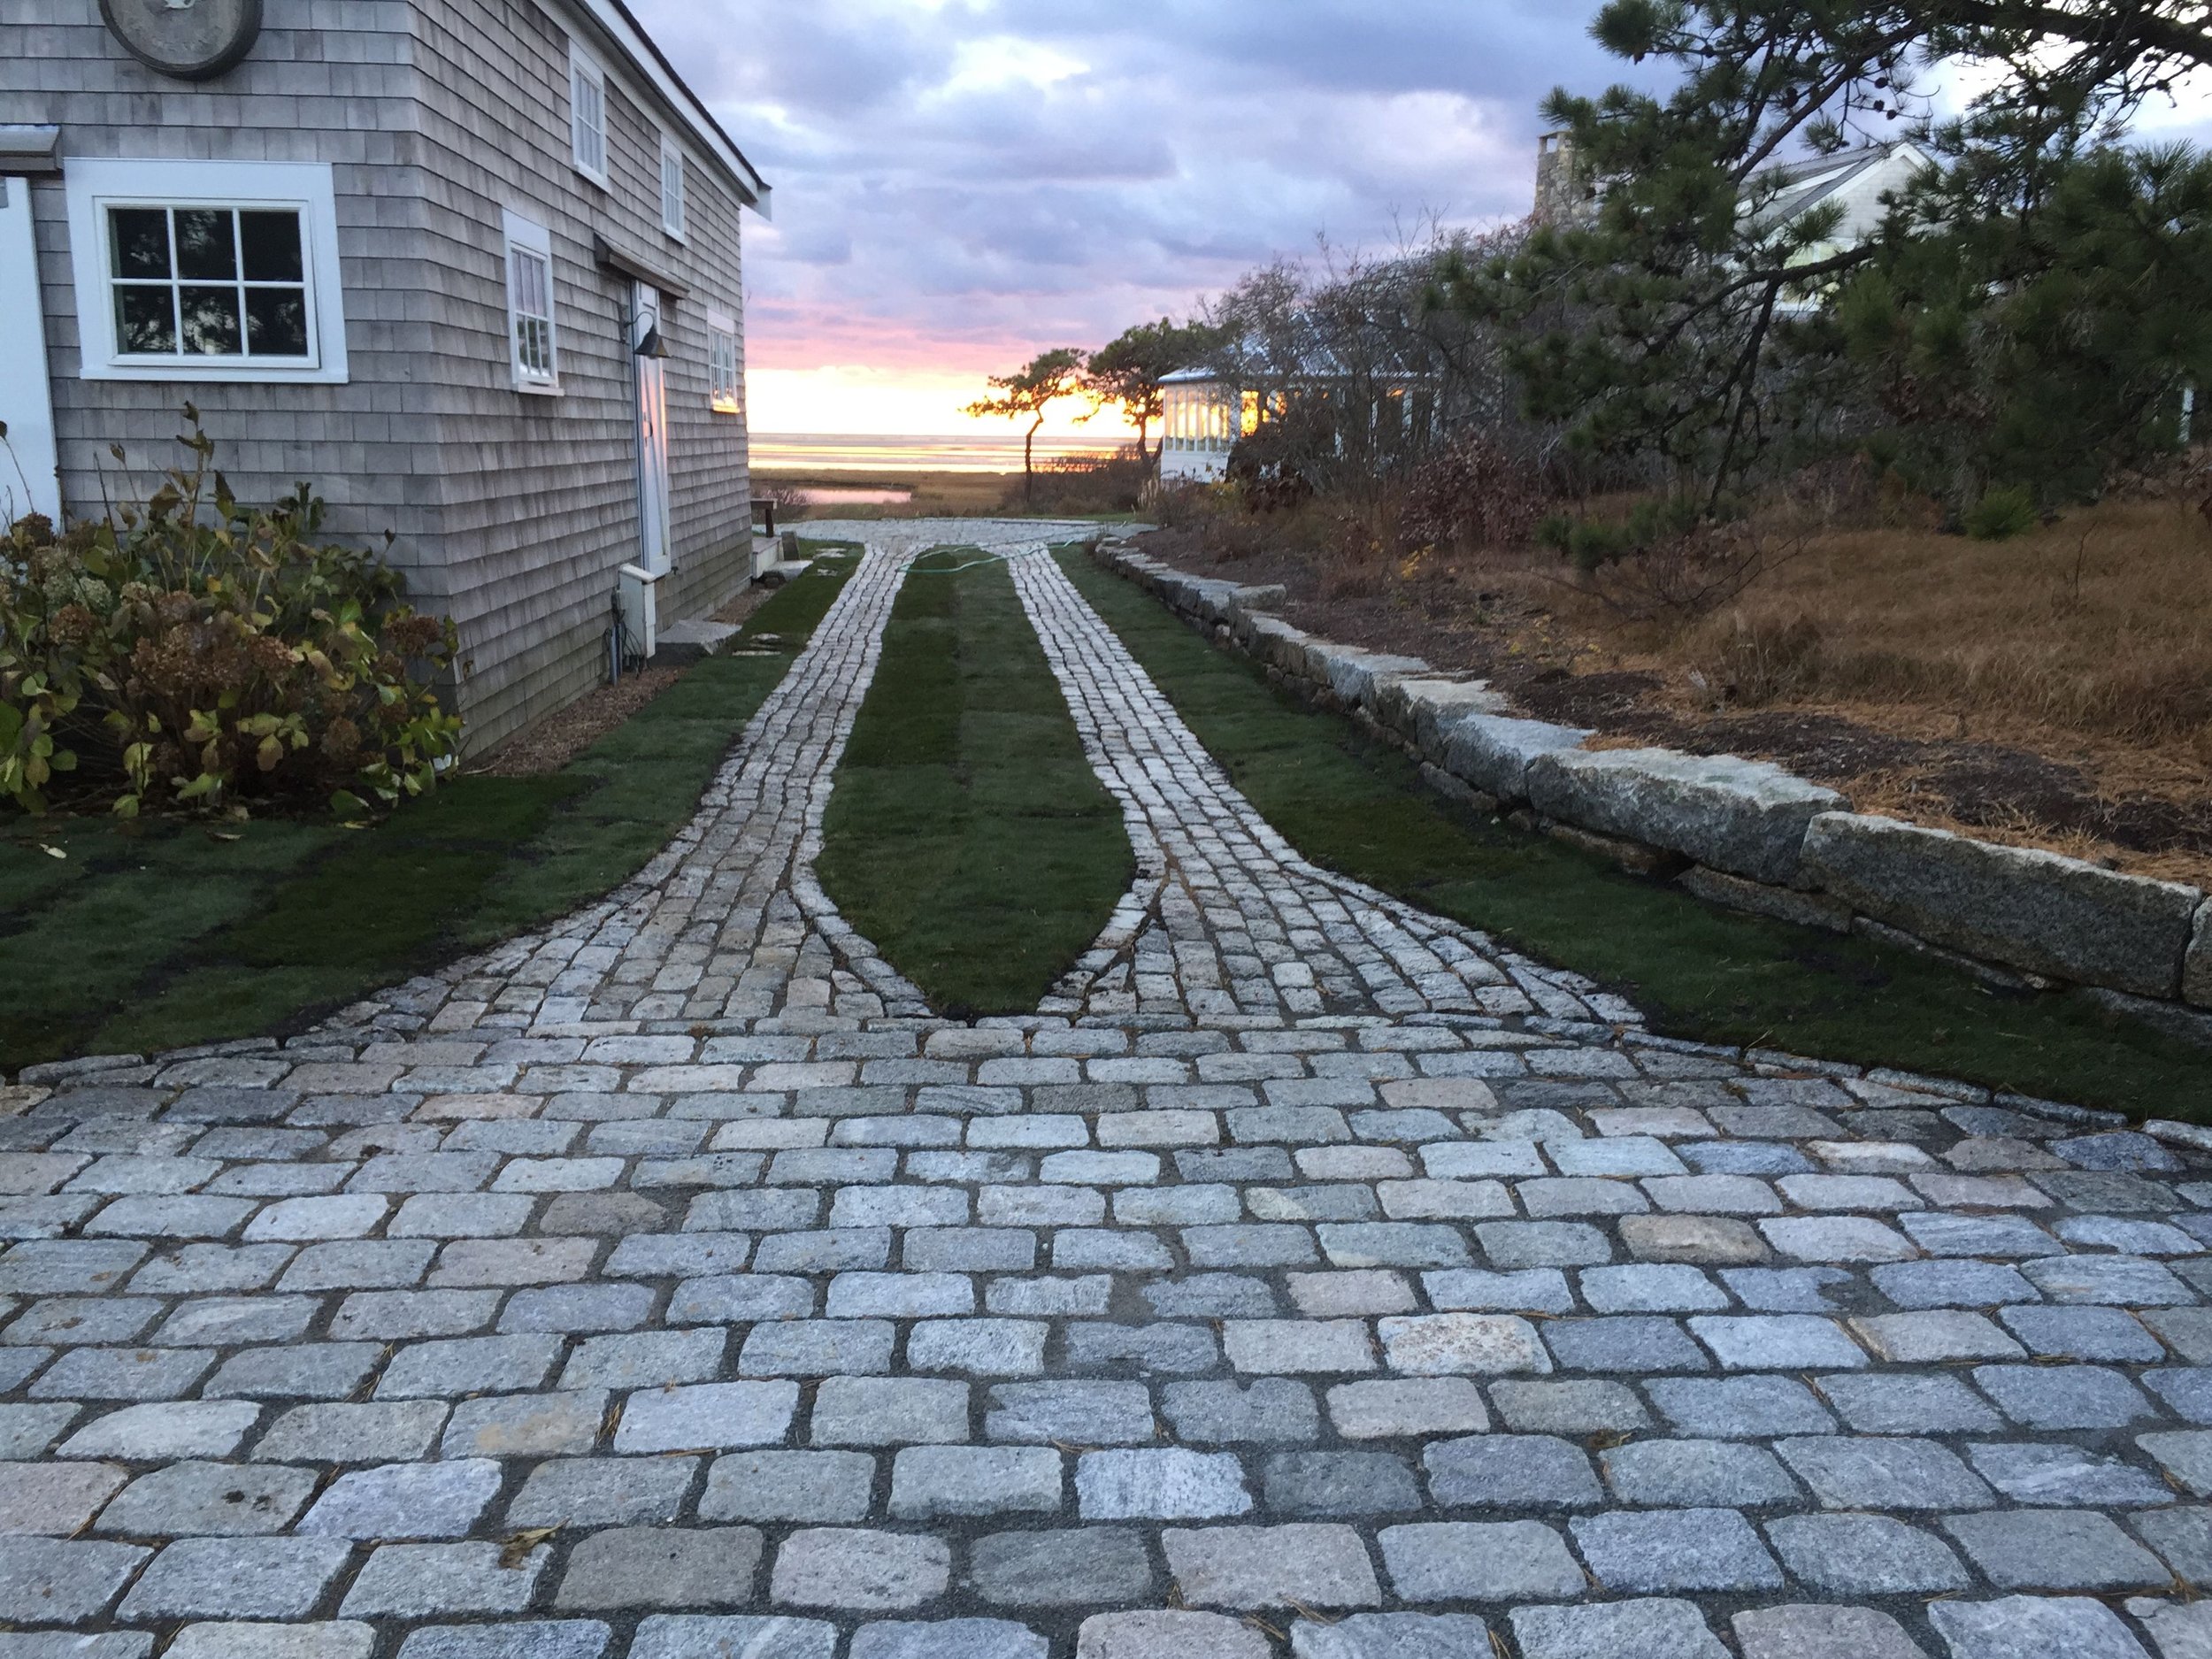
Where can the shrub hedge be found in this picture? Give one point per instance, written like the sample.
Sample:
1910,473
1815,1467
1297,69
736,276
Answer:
189,652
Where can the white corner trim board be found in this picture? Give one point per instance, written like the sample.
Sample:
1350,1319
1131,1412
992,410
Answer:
96,186
27,462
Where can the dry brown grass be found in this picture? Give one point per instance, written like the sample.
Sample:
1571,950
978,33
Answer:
2086,643
936,495
2100,624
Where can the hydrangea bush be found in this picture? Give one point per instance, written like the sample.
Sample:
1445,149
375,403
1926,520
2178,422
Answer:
192,653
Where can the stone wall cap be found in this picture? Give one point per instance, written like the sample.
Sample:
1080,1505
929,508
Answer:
1761,779
1744,816
1832,823
2040,911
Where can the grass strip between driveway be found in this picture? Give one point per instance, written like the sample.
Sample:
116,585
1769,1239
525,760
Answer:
966,834
1357,806
168,932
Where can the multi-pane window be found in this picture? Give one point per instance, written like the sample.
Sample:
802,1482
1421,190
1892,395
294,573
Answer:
223,271
587,115
203,281
533,345
724,391
533,314
673,189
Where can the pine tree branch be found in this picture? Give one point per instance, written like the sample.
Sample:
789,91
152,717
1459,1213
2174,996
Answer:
2146,28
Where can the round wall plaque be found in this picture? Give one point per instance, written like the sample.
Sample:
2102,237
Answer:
191,40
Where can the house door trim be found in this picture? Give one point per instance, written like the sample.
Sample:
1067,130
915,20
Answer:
27,396
654,503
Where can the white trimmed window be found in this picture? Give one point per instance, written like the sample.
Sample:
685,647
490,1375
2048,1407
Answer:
206,271
725,392
532,344
587,115
671,187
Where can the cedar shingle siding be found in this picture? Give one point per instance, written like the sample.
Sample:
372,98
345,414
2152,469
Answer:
511,512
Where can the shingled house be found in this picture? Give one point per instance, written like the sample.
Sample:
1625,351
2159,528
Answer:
471,268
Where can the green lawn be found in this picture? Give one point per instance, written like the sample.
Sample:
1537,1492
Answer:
1358,807
166,932
966,835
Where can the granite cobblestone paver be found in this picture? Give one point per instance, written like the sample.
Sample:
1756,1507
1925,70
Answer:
1309,1279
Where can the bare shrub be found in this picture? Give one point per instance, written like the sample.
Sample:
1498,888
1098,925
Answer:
1081,484
1232,538
1184,502
1841,492
1474,493
789,500
1663,563
1275,468
1365,578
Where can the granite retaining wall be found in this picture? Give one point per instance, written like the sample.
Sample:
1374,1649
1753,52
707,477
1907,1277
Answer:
1743,834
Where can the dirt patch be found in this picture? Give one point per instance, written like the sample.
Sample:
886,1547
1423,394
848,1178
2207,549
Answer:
567,732
748,600
1999,772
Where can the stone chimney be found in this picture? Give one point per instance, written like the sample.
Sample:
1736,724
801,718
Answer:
1563,194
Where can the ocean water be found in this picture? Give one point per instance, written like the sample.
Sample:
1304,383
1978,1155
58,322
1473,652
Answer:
847,452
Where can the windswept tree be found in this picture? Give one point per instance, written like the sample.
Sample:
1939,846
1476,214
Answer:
1027,391
1659,327
1125,374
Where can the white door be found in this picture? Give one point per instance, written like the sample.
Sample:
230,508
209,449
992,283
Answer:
27,483
652,432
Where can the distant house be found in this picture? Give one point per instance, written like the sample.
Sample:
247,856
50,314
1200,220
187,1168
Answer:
1853,180
471,268
1203,418
1378,402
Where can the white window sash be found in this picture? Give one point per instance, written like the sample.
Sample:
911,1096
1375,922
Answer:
725,394
176,281
672,182
528,254
587,115
92,186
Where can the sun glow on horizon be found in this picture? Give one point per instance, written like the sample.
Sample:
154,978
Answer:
851,398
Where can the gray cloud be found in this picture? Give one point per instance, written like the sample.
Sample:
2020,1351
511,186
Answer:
958,182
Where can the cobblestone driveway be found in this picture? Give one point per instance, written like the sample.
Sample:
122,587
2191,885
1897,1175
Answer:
1313,1277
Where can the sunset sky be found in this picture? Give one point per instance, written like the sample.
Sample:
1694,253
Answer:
961,183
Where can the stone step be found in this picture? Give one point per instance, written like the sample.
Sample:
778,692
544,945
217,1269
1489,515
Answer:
682,643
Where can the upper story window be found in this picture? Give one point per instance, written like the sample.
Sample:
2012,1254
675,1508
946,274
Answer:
588,113
671,187
206,271
725,391
532,343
